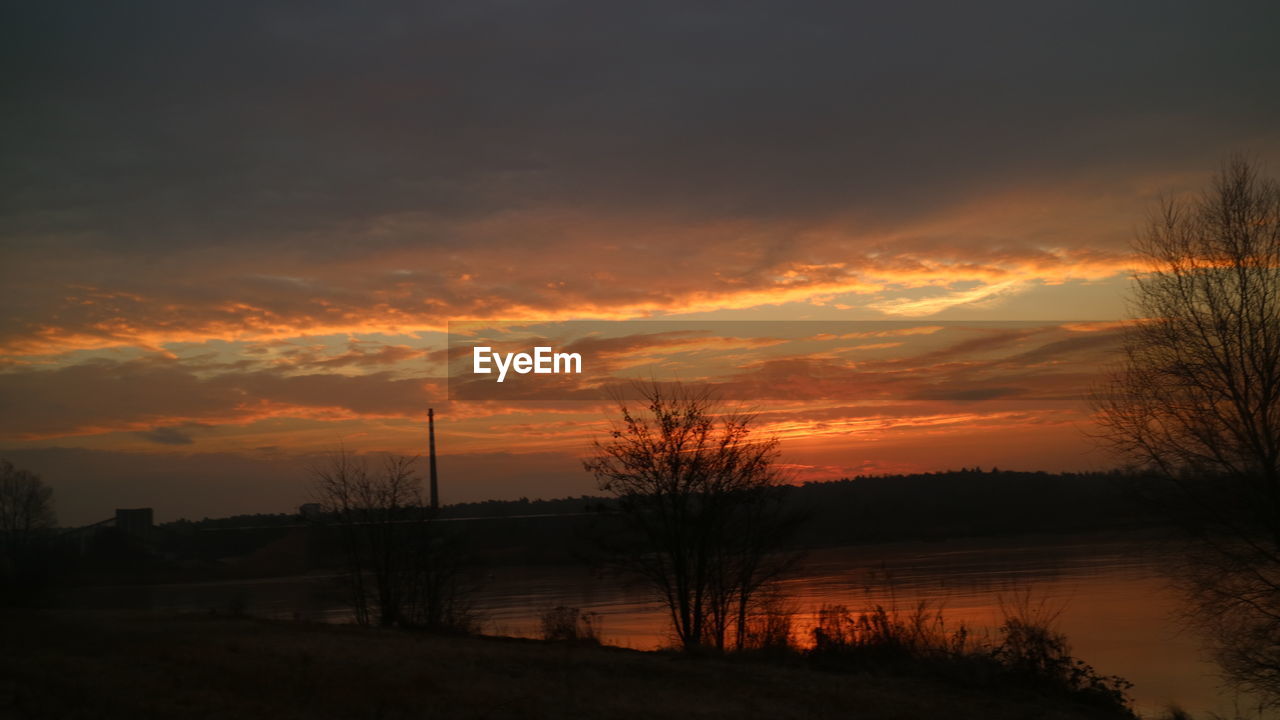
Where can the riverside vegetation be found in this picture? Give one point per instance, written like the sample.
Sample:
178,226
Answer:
63,664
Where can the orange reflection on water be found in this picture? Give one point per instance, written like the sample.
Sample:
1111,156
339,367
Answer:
1108,595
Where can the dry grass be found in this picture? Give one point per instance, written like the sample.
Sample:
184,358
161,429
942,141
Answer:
67,665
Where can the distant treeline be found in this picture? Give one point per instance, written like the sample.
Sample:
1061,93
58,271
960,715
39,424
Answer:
965,503
957,503
865,509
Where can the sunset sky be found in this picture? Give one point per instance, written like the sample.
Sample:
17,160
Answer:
234,234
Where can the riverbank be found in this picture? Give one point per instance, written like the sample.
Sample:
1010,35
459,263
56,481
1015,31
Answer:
113,665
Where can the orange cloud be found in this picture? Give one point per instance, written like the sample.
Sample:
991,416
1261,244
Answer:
407,290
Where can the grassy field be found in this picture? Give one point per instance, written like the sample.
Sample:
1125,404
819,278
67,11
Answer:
80,665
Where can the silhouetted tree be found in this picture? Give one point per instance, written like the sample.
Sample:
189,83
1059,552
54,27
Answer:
26,517
701,497
400,569
1197,402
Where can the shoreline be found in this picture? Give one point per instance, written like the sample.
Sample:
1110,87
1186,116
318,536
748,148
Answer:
157,665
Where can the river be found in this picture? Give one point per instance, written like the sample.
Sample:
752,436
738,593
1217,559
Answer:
1112,599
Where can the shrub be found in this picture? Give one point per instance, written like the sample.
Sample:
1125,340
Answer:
571,624
1029,652
1032,650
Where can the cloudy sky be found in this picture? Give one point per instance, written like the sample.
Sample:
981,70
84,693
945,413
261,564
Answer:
233,234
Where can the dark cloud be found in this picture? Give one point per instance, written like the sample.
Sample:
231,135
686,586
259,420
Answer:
261,168
359,355
984,340
166,436
103,395
238,121
967,395
1065,349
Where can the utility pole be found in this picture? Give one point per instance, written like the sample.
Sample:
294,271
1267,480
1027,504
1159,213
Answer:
431,453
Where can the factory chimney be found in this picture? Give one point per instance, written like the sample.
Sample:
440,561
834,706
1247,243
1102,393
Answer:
431,454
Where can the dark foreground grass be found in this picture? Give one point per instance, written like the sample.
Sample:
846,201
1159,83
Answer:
80,665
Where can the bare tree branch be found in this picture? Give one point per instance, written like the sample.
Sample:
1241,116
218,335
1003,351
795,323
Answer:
1197,401
698,490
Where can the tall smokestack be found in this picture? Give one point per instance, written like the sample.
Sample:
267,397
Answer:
431,452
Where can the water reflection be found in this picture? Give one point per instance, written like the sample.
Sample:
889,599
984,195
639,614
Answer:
1116,607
